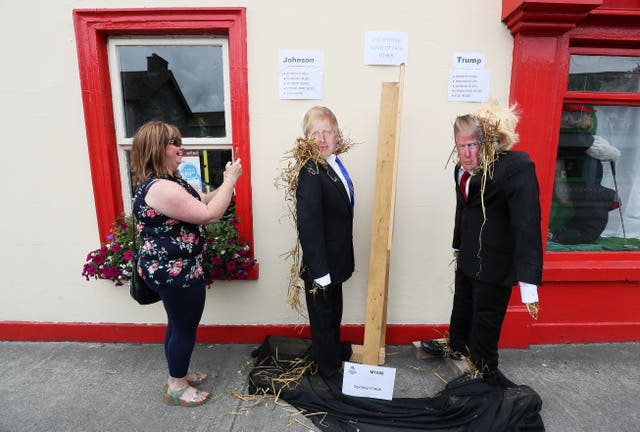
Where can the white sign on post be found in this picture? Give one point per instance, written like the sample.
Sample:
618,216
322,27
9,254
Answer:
368,381
301,74
385,48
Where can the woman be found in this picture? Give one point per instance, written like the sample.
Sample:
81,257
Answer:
324,219
171,215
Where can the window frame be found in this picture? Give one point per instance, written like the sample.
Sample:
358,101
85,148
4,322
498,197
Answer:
540,72
189,143
600,265
93,27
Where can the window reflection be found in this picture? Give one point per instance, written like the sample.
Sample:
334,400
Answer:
604,74
182,85
596,200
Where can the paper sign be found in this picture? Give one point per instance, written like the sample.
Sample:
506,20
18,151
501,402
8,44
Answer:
469,85
190,170
385,48
368,381
301,74
469,60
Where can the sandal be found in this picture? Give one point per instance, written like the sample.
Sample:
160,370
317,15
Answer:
173,398
201,377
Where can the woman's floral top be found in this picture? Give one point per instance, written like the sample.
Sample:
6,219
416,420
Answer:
170,251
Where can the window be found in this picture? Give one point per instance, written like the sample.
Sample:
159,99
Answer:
180,80
116,46
595,203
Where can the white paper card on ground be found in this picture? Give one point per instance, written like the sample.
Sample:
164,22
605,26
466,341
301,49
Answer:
368,381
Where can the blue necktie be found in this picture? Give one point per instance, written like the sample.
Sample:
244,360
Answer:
348,179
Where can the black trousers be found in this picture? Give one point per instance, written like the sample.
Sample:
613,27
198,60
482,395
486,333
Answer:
325,315
476,320
184,307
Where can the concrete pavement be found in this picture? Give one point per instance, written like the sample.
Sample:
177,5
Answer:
86,387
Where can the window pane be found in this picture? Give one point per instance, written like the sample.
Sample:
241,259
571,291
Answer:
604,74
596,193
203,169
178,84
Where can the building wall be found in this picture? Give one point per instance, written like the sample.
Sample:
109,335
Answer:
49,222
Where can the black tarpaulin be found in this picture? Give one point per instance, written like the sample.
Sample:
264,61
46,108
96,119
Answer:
477,405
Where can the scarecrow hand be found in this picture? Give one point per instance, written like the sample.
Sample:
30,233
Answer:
534,309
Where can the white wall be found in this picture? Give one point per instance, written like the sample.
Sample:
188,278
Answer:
48,220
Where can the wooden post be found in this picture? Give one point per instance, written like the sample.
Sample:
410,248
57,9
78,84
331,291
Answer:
382,223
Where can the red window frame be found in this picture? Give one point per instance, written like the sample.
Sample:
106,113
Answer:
92,28
545,35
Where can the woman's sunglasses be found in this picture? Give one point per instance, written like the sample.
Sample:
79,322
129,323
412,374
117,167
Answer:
176,141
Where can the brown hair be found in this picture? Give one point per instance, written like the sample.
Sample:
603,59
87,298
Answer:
147,157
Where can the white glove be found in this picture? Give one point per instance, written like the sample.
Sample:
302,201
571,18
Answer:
602,150
528,292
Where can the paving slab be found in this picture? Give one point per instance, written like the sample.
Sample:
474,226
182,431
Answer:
86,387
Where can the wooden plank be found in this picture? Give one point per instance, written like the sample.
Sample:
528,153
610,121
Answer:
358,351
382,222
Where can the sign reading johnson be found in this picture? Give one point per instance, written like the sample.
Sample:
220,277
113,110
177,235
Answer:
301,74
368,381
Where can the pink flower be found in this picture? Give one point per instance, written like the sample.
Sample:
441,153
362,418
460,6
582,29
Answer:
176,268
116,247
188,237
128,255
231,265
197,272
89,270
216,260
152,268
98,259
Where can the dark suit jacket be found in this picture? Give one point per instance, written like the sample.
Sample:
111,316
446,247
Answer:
511,241
325,224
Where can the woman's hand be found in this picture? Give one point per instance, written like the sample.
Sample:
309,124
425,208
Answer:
232,171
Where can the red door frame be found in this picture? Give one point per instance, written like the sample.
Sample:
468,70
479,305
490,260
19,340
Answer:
93,27
586,297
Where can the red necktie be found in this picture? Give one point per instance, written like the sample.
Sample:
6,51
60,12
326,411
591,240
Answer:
463,184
